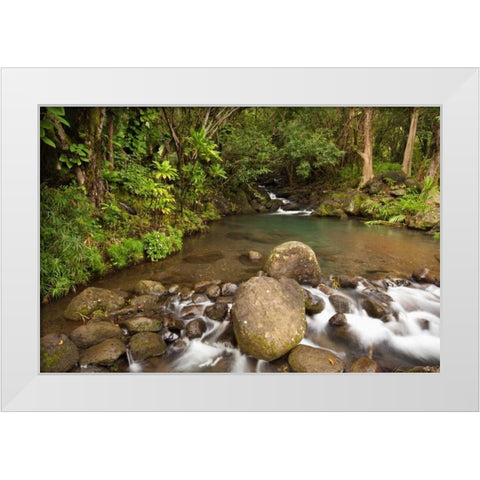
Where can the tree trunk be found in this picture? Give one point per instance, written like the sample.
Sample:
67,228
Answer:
110,142
434,165
367,154
95,117
407,157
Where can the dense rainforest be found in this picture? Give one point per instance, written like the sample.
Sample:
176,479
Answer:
121,185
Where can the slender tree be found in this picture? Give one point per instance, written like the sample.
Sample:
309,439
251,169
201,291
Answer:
434,164
367,154
407,157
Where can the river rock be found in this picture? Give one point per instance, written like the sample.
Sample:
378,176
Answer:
201,287
314,360
346,282
213,291
57,353
171,321
150,287
199,298
337,320
146,344
93,299
364,365
191,311
104,353
425,220
326,289
254,256
293,260
195,328
375,309
218,311
313,303
424,275
145,301
185,293
95,332
142,324
228,289
341,304
268,317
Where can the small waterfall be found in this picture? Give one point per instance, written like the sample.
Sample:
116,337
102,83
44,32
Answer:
133,366
285,201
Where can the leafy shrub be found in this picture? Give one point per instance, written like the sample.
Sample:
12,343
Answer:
128,251
384,167
70,240
158,245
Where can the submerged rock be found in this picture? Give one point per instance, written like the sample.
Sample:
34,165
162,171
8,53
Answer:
338,320
314,360
95,332
57,353
91,300
149,287
268,317
146,344
104,353
293,260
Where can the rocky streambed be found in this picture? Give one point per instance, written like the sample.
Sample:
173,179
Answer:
288,317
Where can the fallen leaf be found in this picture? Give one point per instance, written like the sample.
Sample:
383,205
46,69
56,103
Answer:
331,361
60,342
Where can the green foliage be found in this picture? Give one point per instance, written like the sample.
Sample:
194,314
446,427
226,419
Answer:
126,252
201,146
47,126
158,245
70,234
385,167
78,155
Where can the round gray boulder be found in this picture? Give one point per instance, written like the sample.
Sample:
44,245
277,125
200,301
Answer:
104,353
293,260
268,317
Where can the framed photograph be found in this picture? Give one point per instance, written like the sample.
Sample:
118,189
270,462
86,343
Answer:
105,168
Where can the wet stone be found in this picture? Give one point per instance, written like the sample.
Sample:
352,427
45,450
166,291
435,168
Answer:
192,311
338,320
228,289
218,311
144,301
364,365
171,321
146,287
104,353
213,291
326,289
341,304
146,344
347,282
199,298
195,328
57,353
200,287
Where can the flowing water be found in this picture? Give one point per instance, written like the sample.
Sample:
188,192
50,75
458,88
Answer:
347,247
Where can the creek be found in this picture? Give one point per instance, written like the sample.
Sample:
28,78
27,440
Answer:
343,247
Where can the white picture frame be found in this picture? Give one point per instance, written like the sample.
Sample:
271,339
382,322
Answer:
455,388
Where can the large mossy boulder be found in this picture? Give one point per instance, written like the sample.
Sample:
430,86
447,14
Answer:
427,220
268,317
104,353
314,360
91,300
293,260
57,353
95,332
